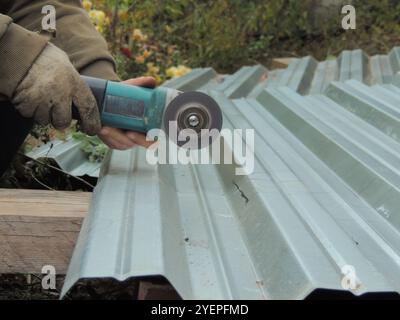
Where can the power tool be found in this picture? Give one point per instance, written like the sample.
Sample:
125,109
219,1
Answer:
141,109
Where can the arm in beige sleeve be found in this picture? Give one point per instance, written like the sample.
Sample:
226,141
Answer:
75,34
19,48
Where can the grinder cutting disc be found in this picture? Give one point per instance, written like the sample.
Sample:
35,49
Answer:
196,111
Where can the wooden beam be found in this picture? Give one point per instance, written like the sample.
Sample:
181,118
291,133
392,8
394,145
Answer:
39,228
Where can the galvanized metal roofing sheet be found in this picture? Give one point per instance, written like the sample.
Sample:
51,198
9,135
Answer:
324,194
308,76
69,157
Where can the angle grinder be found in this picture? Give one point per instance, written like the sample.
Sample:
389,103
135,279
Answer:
141,109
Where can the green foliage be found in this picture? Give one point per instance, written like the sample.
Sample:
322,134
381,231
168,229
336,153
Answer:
220,33
227,34
93,147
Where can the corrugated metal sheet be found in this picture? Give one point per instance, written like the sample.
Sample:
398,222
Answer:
69,157
325,192
307,76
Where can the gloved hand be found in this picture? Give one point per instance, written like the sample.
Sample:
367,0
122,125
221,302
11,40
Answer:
49,89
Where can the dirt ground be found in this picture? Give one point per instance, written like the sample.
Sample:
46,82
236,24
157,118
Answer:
29,287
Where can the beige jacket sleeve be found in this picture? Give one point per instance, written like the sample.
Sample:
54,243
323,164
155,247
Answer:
75,34
18,49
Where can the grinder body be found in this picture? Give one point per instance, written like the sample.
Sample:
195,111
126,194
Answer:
130,107
142,109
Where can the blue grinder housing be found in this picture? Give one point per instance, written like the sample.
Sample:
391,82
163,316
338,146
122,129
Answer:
128,107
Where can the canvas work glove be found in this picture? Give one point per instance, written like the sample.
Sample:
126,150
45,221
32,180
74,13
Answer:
49,89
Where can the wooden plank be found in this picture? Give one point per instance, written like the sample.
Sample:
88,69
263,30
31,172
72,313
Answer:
39,228
42,203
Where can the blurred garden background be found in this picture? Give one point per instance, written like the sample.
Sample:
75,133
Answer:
165,38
